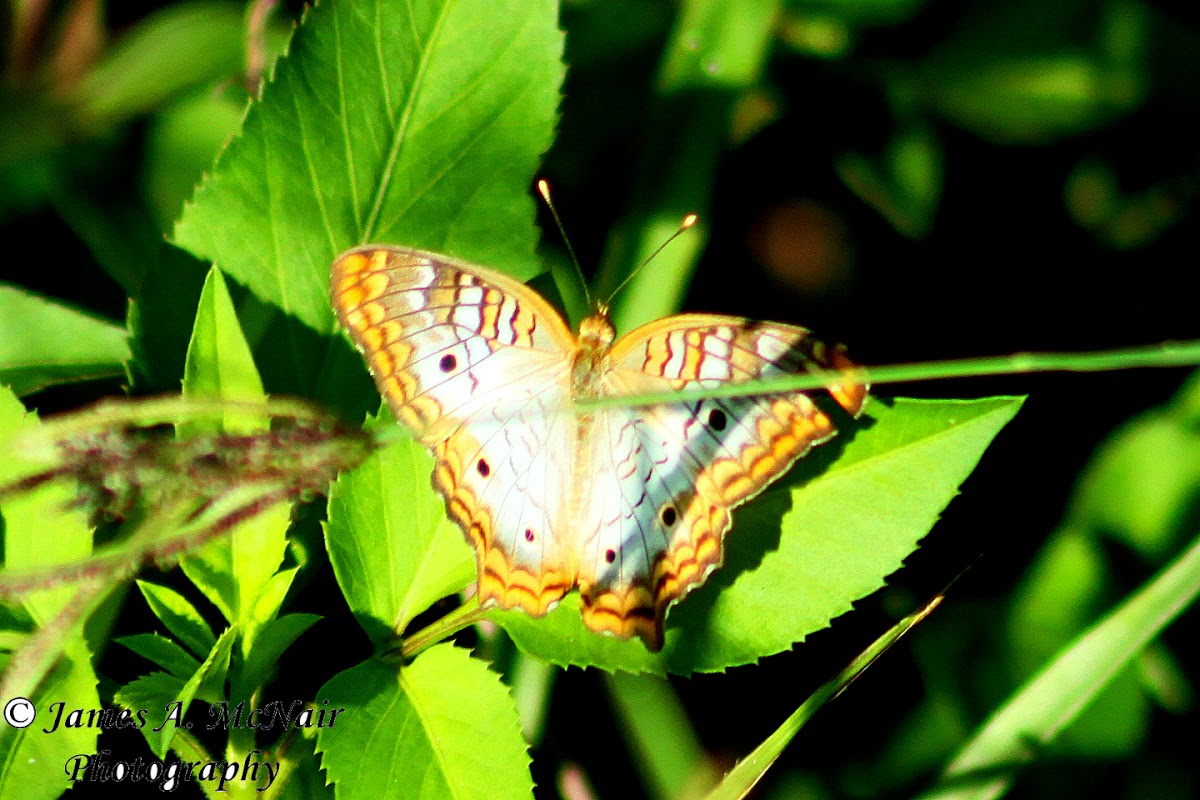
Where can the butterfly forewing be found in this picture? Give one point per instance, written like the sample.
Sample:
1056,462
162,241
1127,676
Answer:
428,325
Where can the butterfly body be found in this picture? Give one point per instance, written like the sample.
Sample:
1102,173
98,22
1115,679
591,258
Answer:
629,505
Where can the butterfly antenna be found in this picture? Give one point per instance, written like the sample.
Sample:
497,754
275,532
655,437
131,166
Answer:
688,222
544,190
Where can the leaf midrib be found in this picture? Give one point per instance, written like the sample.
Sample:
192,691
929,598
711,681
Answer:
402,126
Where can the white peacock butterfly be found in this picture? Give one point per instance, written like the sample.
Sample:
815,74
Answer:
630,505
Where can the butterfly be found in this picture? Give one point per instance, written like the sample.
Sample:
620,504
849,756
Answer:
628,504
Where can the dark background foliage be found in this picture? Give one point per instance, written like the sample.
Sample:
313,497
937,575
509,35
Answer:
921,180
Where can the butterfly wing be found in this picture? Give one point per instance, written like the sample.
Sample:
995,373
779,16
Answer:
668,477
471,361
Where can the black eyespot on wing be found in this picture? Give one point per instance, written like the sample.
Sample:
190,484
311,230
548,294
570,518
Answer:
448,363
610,556
668,515
483,468
717,419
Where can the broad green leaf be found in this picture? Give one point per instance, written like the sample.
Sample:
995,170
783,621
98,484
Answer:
43,343
1025,72
180,617
1138,489
164,652
392,548
717,51
52,663
802,553
443,726
1034,99
1032,718
718,44
419,123
233,569
1061,595
38,765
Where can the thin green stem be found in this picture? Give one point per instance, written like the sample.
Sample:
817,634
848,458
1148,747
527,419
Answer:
464,616
1166,354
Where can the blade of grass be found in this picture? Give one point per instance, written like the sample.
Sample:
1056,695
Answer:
1166,354
743,777
664,743
717,51
1037,713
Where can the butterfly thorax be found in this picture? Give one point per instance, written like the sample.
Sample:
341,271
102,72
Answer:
596,335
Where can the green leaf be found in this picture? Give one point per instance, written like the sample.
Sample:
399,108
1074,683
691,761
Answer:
1051,700
159,690
219,362
37,765
1140,487
231,570
153,693
667,750
181,617
164,652
716,44
392,548
393,122
905,184
267,604
443,726
178,48
43,343
181,144
802,553
264,656
52,663
716,53
161,317
1025,72
1062,592
40,527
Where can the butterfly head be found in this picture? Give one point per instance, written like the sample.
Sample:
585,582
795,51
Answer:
596,332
